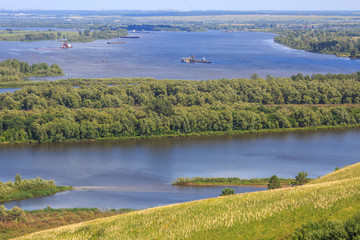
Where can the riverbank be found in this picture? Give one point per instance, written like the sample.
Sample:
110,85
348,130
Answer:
209,133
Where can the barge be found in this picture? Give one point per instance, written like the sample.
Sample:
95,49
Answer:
192,59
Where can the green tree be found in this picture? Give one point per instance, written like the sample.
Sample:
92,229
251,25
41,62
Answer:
274,183
3,214
227,191
18,179
300,179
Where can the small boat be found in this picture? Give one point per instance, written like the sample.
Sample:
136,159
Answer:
66,45
115,42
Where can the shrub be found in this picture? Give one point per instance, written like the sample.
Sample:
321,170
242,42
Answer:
330,230
227,191
300,179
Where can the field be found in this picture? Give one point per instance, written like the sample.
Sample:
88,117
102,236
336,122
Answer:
273,214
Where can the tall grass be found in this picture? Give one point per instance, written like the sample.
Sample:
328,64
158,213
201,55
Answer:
273,214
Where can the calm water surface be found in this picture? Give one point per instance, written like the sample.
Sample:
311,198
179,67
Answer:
138,173
158,55
4,90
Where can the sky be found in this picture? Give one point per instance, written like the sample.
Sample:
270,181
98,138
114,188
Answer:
181,5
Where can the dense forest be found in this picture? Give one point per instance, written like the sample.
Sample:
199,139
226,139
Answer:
15,70
344,43
54,112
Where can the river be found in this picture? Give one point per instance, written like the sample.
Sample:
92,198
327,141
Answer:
138,173
158,55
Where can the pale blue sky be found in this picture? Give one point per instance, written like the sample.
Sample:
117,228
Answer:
183,4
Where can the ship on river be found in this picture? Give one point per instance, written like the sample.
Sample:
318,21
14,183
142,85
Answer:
66,45
192,59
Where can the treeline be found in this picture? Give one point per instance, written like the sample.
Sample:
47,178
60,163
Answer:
86,35
22,188
161,96
29,36
227,181
340,42
61,124
103,32
167,27
15,70
141,108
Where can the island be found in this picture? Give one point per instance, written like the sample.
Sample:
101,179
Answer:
230,181
31,188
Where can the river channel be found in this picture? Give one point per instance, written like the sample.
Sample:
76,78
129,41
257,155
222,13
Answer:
158,55
138,173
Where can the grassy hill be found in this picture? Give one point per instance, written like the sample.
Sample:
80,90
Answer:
348,172
271,214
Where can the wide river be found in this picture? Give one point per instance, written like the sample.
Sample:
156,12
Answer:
158,55
138,173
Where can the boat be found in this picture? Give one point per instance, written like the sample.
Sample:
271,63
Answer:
66,45
115,42
192,59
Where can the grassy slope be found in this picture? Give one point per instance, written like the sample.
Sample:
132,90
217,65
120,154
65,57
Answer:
262,215
348,172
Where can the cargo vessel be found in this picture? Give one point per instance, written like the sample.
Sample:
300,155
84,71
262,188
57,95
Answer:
192,59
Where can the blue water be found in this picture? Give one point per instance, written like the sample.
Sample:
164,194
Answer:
138,173
4,90
234,55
